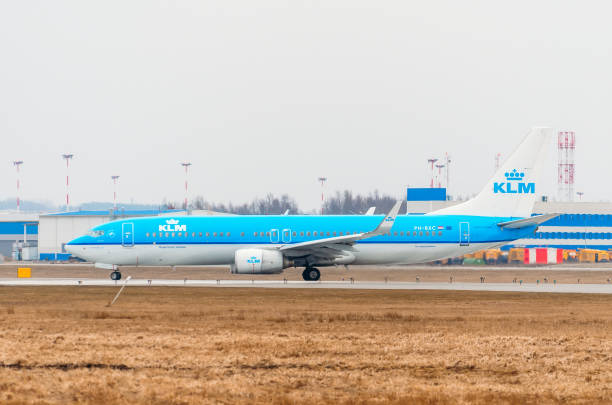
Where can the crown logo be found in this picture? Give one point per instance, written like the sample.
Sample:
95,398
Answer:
172,221
514,175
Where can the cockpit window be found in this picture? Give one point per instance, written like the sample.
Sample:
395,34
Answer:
97,233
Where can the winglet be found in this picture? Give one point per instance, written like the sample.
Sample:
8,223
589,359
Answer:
527,222
387,222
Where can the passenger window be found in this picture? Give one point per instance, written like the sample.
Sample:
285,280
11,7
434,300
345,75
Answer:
228,234
334,233
427,233
402,233
261,234
395,233
314,233
440,233
308,233
420,233
154,234
214,233
268,233
241,233
254,233
294,233
180,234
193,234
173,234
328,233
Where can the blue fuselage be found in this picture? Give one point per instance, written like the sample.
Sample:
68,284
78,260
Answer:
212,240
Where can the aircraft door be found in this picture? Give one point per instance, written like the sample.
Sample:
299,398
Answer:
286,235
274,236
464,234
127,234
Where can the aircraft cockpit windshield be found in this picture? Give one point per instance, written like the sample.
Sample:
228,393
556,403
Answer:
96,234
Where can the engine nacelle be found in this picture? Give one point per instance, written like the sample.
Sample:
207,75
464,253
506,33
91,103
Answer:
258,261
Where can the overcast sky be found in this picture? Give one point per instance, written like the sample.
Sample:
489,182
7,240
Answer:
266,96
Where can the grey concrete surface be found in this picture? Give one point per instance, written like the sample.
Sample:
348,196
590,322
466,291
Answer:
502,287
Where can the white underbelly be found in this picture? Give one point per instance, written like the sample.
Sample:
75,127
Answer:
223,254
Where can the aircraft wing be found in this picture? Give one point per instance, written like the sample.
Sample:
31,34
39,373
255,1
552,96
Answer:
338,246
524,223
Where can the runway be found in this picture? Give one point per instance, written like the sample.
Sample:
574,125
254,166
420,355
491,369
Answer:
364,285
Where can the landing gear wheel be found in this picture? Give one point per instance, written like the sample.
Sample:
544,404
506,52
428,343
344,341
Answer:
311,274
115,276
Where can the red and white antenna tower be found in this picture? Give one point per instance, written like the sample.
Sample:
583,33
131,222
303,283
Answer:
115,179
567,169
322,180
17,164
186,166
440,167
432,162
67,157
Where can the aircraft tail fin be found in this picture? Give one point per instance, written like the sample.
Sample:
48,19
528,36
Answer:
512,190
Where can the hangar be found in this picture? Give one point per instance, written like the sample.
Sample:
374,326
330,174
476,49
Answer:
16,227
55,230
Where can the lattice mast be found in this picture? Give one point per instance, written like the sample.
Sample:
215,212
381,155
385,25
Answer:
566,146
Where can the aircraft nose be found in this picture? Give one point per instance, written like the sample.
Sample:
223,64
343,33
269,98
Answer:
72,246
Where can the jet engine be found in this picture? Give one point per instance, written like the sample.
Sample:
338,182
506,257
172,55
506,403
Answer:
259,261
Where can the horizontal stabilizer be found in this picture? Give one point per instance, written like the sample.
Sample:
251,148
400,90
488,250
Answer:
527,222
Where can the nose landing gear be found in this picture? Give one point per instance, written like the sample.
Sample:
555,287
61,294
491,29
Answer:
115,275
311,274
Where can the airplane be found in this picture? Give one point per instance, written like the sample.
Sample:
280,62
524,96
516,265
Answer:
268,244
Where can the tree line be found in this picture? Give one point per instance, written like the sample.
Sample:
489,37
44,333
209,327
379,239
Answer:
340,203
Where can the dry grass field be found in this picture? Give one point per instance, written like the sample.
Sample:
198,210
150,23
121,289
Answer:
63,345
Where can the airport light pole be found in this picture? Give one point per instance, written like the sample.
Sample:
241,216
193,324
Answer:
17,164
447,160
67,157
115,179
322,180
440,167
432,162
186,166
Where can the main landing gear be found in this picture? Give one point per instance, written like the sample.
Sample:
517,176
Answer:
115,275
311,274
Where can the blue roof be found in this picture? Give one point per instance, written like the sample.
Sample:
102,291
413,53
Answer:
118,213
426,194
16,227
